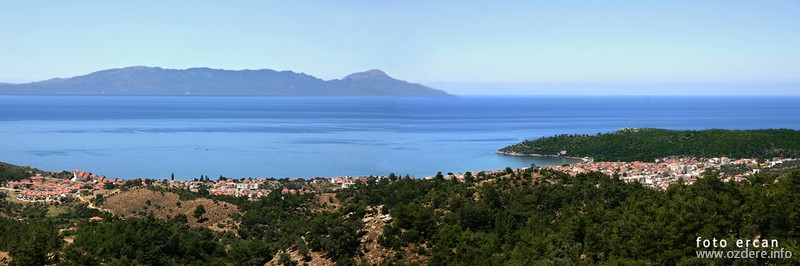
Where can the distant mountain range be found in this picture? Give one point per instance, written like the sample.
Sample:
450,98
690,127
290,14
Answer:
141,80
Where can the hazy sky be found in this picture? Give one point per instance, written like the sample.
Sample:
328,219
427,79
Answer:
480,47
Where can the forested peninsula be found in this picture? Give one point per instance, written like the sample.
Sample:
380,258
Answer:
647,144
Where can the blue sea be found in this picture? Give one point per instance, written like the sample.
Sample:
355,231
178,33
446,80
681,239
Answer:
155,136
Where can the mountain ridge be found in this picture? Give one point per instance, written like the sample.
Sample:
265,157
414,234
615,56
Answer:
144,80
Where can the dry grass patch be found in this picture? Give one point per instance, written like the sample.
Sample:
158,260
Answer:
326,202
5,259
315,258
54,211
164,205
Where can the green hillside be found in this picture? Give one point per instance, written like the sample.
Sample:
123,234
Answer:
526,217
10,172
646,144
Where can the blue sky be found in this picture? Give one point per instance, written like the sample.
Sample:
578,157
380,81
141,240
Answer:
465,47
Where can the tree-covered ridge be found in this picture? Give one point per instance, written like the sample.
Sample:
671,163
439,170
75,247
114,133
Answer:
549,218
10,172
647,144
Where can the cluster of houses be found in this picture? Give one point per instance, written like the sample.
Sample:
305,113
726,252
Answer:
658,174
347,181
87,177
661,173
251,188
41,188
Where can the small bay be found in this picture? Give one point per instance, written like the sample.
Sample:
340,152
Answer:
154,136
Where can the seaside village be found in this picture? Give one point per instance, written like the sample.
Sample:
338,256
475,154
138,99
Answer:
41,188
658,174
663,172
48,188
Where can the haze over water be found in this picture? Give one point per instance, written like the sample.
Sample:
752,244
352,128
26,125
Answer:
140,136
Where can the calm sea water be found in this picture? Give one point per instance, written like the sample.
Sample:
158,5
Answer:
131,136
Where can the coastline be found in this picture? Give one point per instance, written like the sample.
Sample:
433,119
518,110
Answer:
583,159
252,137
